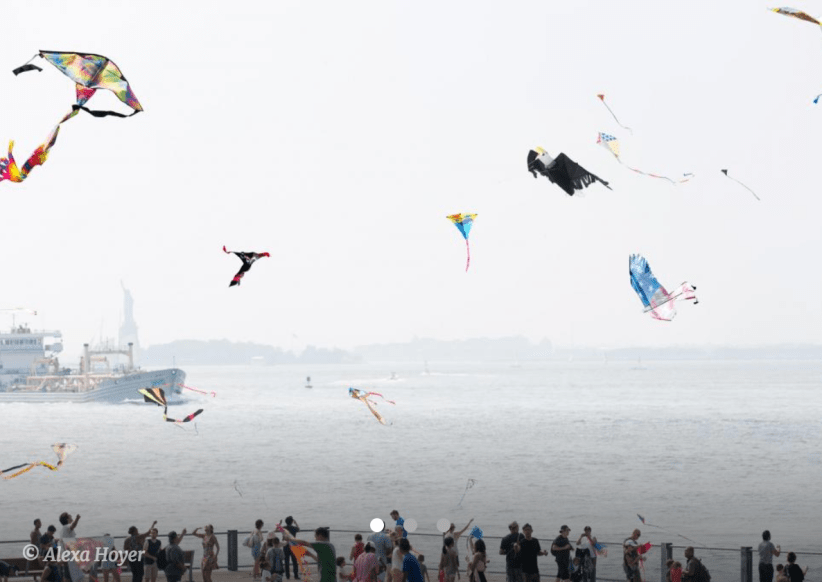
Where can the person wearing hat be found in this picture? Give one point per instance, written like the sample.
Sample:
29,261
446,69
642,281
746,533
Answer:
561,549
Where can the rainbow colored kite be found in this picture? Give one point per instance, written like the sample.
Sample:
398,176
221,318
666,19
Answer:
653,295
611,143
463,222
89,73
62,450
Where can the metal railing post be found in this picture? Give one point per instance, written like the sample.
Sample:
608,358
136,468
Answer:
666,553
232,550
746,558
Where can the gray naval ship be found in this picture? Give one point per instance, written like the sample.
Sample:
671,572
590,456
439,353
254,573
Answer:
30,372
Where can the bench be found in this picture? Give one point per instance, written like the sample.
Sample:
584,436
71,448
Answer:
25,567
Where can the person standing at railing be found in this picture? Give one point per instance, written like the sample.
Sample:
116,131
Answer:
529,551
795,573
35,534
150,549
631,558
211,550
561,550
293,528
509,547
766,553
133,545
175,558
588,542
255,542
68,534
326,553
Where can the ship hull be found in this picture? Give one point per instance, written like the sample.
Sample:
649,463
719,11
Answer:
112,389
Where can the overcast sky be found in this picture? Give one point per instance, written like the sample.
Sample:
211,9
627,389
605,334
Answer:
338,135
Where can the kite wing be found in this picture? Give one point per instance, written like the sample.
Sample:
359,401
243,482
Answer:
562,171
89,73
155,395
363,397
464,222
654,296
248,260
793,12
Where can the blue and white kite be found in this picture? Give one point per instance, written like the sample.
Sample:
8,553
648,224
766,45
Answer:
653,295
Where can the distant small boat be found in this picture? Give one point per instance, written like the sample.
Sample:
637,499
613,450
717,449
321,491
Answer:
308,382
393,376
427,371
639,365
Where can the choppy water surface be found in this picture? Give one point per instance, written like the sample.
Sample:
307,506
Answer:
715,451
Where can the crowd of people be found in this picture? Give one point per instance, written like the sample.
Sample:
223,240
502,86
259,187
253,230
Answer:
386,556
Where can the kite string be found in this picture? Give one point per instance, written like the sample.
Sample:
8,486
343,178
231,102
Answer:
602,98
468,251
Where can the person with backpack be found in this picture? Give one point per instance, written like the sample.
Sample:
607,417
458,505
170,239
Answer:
561,550
275,556
695,570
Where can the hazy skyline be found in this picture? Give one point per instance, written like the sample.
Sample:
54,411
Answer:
338,137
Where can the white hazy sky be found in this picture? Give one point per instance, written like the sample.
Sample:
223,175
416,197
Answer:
338,135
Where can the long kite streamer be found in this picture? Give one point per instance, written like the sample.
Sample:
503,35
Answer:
611,143
212,393
464,222
741,184
62,450
468,485
642,519
363,397
158,397
89,73
602,98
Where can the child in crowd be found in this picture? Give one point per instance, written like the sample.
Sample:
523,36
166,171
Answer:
423,569
674,571
357,549
343,571
780,574
275,557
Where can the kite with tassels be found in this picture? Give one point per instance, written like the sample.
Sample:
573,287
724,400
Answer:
610,143
799,15
464,222
653,295
62,450
158,397
741,184
602,98
248,259
363,397
562,171
89,73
